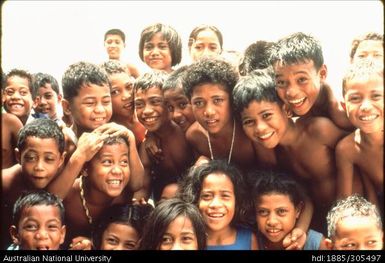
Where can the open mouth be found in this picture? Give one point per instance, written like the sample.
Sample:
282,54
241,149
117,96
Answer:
265,136
368,117
297,103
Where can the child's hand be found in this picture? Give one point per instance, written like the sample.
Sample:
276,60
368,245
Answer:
80,243
113,129
152,145
295,240
89,144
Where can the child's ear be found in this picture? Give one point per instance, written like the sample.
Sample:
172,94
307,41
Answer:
17,155
343,105
298,209
14,235
323,72
328,243
66,106
59,98
62,158
63,232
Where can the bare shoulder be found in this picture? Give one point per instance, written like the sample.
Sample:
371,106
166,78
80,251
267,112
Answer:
11,122
10,177
346,147
195,133
322,128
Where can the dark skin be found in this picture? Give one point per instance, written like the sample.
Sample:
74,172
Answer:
10,126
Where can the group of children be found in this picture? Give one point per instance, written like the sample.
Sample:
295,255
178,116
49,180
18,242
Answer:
196,141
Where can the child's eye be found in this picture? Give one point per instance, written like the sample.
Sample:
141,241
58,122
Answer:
213,48
49,159
302,80
349,245
247,122
148,47
377,96
30,158
30,227
9,92
205,197
282,212
106,162
266,115
218,100
52,227
164,46
354,99
170,108
156,101
89,102
198,103
280,83
48,96
166,240
198,48
106,101
139,104
115,92
112,241
187,239
262,212
130,245
182,105
124,162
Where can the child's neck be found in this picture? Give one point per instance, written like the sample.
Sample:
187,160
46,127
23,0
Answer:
226,236
373,139
227,131
291,134
127,122
165,129
94,197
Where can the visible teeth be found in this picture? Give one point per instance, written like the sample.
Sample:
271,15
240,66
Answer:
265,136
368,118
297,101
216,215
99,119
114,182
17,106
273,230
150,119
211,121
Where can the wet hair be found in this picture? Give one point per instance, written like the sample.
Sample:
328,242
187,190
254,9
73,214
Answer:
210,70
163,215
169,34
126,214
195,32
112,140
191,187
297,48
352,206
272,182
256,56
41,128
114,67
115,31
154,78
364,70
35,198
368,36
80,74
257,86
19,73
175,79
42,79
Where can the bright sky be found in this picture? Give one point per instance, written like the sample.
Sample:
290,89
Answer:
48,36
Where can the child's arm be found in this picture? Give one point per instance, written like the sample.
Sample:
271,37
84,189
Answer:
136,166
80,243
297,237
88,145
145,191
153,147
345,167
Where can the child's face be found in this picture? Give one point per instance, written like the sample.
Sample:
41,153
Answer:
17,98
264,122
109,170
40,228
276,216
114,46
169,191
370,49
40,160
157,53
180,107
46,101
91,108
119,237
211,107
364,104
150,108
358,233
217,201
298,85
179,235
206,44
122,95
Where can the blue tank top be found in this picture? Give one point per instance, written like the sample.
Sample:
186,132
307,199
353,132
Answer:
242,241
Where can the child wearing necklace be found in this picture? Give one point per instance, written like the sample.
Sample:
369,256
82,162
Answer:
219,191
101,184
278,203
216,134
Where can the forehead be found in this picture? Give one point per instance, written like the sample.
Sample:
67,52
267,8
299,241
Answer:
47,87
209,89
113,37
94,90
365,83
349,225
217,180
115,149
153,91
41,144
121,76
258,106
207,35
274,200
368,45
157,37
175,93
43,212
303,66
17,81
181,224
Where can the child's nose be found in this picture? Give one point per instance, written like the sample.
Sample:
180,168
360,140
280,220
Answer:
366,105
41,234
